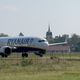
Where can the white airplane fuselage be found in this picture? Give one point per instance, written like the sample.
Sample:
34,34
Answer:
22,44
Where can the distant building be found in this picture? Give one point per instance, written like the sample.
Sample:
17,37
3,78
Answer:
49,35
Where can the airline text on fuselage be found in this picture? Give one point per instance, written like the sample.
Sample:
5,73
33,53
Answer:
19,41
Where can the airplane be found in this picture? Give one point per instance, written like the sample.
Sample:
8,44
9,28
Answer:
22,44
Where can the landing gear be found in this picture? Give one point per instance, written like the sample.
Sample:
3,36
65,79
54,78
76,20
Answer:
4,55
24,54
40,53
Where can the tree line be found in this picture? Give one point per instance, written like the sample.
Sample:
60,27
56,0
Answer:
73,40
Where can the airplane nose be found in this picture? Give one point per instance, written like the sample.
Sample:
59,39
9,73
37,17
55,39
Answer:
46,45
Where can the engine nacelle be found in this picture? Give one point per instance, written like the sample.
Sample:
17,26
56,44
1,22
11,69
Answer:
5,51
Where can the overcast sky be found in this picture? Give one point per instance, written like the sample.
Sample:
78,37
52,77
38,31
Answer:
32,17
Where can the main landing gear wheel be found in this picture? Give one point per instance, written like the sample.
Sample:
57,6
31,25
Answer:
4,55
24,54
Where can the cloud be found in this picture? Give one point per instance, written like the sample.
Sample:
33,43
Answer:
11,8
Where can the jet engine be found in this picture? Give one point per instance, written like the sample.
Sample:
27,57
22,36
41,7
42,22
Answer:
5,51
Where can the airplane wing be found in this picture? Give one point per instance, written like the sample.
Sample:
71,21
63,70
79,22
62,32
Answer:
62,43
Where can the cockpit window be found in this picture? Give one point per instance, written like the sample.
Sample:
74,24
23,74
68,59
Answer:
41,41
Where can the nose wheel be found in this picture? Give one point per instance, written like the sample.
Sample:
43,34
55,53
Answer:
40,53
24,54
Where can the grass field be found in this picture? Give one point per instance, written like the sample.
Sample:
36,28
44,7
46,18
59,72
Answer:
36,68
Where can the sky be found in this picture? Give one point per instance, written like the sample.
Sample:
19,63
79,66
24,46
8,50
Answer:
32,17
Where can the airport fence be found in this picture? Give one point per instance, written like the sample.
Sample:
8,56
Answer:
16,58
50,61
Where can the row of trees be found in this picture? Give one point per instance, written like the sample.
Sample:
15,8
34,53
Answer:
6,35
73,41
3,35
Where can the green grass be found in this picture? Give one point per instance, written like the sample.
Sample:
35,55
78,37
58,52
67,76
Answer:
66,55
41,76
36,68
